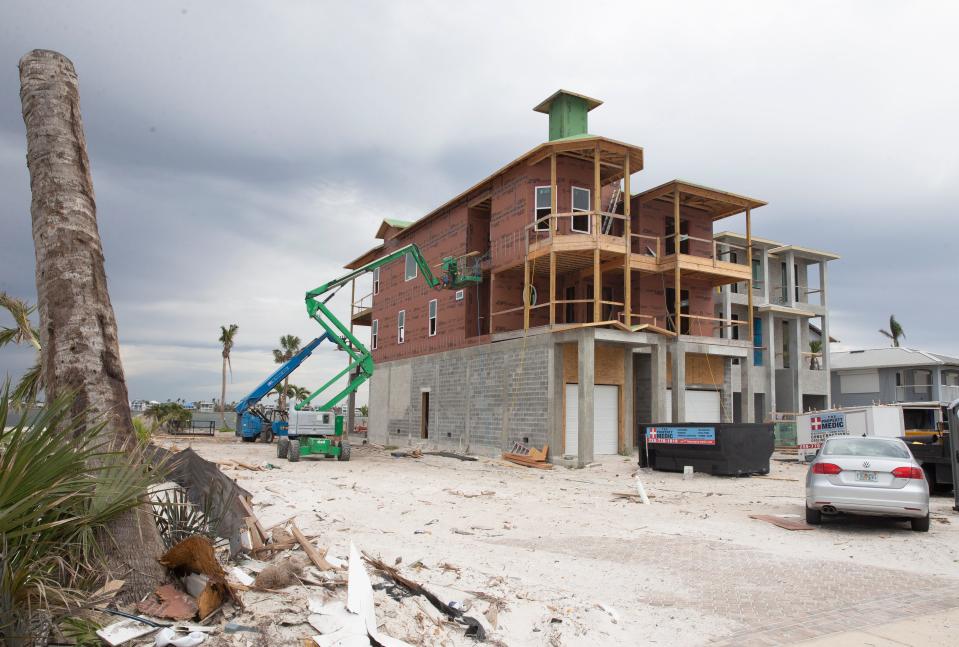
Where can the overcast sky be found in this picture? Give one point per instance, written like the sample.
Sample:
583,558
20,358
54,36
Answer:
242,152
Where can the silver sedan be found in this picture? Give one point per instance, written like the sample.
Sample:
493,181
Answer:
867,476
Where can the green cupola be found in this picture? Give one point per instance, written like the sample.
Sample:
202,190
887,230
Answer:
568,114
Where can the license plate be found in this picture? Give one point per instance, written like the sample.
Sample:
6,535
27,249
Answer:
866,476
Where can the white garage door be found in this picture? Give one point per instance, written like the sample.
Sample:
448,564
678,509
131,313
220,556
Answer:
701,406
605,419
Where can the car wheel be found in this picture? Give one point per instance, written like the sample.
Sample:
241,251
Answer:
813,516
293,453
344,452
282,447
266,436
920,525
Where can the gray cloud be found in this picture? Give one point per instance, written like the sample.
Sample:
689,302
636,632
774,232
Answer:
241,154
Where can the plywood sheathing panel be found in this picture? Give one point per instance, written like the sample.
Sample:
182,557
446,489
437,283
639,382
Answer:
700,369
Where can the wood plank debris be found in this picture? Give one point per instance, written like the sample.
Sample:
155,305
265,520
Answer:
318,559
783,522
528,456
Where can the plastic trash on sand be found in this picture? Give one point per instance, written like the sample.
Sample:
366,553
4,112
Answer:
168,637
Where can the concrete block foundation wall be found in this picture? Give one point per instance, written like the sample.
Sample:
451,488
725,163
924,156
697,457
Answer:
481,399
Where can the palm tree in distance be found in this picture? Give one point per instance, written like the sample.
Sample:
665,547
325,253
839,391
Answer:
226,338
289,346
895,332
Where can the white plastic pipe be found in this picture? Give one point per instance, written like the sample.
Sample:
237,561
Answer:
641,490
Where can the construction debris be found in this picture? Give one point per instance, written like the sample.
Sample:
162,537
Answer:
207,488
407,453
278,576
195,557
474,627
783,522
169,602
528,456
318,559
462,457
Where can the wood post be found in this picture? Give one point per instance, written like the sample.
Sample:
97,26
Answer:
597,191
749,283
526,291
552,194
628,232
552,288
677,318
597,285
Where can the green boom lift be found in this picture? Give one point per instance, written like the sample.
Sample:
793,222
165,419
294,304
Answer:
456,272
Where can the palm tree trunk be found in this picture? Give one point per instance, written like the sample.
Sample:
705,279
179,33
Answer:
223,396
78,330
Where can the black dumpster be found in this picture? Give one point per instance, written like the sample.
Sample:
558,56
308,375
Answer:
723,449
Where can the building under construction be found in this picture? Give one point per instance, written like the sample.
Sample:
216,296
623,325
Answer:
598,307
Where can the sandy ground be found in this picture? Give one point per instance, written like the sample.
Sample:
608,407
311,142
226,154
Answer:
557,560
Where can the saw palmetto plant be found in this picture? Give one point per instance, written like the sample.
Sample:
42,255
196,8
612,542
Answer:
61,486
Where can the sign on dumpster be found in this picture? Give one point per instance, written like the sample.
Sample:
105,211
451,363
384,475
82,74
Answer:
681,435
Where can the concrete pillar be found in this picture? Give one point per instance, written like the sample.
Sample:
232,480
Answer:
765,269
796,362
587,382
726,395
826,364
791,280
769,329
678,352
629,405
557,390
727,311
746,392
657,367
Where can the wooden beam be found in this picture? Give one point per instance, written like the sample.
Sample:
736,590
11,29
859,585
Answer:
552,289
482,197
597,285
597,190
526,295
749,283
627,271
677,315
552,191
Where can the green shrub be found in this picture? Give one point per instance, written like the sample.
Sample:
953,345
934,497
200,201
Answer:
60,486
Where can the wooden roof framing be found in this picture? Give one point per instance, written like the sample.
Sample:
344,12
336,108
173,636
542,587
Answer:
717,204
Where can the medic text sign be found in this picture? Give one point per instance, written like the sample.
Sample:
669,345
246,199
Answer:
681,435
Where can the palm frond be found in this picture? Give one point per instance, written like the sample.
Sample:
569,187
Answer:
28,388
20,310
61,486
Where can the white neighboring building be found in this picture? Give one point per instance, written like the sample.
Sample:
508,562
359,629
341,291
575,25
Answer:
790,302
922,382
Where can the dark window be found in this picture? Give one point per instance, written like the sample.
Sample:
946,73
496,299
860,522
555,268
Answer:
671,310
544,206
